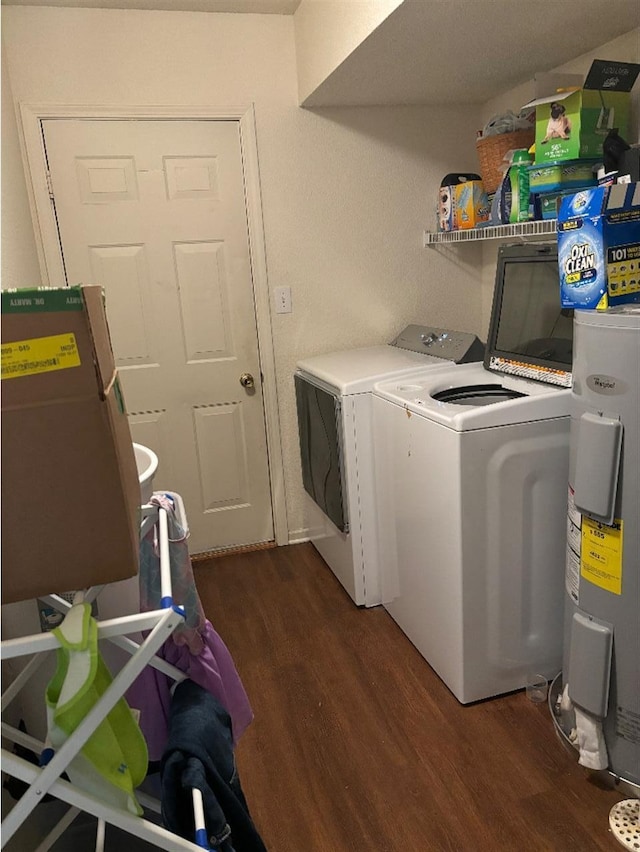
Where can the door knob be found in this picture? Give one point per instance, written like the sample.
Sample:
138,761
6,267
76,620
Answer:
246,380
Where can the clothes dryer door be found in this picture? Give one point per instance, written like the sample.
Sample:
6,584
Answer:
320,434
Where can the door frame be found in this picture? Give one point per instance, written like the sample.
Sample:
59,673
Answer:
50,251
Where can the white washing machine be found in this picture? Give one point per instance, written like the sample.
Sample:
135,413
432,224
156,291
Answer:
333,396
470,473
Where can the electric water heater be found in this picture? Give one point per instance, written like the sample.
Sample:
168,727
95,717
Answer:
601,665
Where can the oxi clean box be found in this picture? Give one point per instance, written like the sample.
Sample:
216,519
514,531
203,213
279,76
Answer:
599,247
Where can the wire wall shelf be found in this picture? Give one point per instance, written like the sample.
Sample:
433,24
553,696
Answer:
493,232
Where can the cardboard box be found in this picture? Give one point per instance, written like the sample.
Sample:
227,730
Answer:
70,490
572,120
463,204
546,205
562,177
471,205
599,247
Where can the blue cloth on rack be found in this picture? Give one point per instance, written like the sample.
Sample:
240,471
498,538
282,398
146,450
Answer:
200,754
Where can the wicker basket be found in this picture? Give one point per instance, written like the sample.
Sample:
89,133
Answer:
492,149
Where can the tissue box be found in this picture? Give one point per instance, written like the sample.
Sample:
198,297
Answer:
572,124
70,490
599,247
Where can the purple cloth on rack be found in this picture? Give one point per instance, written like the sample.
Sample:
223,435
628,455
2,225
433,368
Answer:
213,669
194,647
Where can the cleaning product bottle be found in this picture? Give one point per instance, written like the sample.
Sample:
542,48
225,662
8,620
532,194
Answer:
515,188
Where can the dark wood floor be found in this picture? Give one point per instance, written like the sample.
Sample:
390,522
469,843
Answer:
357,746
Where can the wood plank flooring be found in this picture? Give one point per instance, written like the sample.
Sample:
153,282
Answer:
357,746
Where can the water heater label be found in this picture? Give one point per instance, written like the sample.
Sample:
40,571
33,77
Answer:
572,576
628,724
574,541
601,554
573,536
574,515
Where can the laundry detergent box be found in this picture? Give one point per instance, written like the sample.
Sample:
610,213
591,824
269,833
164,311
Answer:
572,120
599,247
70,489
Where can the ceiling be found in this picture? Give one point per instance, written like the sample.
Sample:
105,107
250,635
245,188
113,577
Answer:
468,51
437,51
260,7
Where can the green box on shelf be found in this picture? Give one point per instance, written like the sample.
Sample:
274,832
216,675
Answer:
573,121
562,176
546,204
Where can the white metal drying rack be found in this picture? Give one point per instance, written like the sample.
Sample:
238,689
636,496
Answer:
47,779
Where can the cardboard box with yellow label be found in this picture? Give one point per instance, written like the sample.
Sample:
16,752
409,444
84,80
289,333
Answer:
70,490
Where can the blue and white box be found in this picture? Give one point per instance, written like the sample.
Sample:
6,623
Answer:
599,247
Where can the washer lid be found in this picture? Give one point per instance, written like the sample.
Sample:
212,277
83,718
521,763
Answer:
358,370
477,394
533,400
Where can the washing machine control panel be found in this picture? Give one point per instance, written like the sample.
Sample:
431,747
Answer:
430,338
457,346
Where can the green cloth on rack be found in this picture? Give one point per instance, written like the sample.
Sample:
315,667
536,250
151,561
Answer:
113,761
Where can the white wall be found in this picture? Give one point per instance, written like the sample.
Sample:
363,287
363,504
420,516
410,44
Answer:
20,266
346,192
327,31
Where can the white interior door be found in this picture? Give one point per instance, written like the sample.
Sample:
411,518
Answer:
154,211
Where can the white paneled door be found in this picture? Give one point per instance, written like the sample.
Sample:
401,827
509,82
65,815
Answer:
154,211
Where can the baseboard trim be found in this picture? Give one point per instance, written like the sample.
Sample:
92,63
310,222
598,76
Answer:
299,536
229,551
